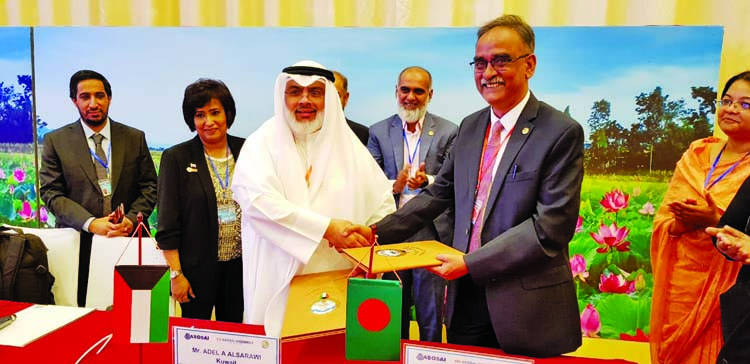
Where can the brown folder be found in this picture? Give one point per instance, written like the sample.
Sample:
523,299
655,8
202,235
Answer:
308,314
402,256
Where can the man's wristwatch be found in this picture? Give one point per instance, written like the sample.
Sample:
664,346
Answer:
174,273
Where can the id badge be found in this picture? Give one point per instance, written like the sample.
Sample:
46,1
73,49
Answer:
227,213
106,186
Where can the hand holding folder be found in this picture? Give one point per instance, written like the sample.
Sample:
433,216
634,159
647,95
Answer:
403,256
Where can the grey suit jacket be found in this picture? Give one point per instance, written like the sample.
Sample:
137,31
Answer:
386,144
530,218
68,180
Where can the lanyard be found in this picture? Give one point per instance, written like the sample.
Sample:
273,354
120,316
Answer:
223,184
706,184
104,164
411,156
484,148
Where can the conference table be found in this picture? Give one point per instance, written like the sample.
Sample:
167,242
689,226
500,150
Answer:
67,344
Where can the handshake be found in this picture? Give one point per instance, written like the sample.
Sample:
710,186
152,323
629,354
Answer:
732,242
342,234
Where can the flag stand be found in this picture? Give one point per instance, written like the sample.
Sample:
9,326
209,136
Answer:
373,315
141,298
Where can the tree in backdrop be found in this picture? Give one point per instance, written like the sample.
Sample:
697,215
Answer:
16,112
607,143
664,130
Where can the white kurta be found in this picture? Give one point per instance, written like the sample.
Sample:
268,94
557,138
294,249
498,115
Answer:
284,219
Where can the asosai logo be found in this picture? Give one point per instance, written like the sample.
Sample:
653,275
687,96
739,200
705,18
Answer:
431,357
189,336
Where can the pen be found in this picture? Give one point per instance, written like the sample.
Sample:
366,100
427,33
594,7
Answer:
6,320
515,166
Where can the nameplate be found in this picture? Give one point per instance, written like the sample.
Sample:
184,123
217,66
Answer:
195,346
422,354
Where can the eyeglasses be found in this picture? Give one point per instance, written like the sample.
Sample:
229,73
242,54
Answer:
499,63
727,103
314,93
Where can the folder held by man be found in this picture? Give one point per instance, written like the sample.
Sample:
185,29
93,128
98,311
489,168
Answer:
396,257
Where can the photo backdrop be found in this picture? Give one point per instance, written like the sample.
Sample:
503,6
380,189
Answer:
641,93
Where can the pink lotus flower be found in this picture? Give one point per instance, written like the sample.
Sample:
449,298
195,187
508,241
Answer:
579,224
43,215
26,212
591,324
614,201
615,283
2,174
648,209
578,266
612,237
19,175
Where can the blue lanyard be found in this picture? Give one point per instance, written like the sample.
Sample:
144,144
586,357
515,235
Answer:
409,154
104,164
225,184
706,184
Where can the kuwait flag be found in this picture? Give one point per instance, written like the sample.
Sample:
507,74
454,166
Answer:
141,306
373,319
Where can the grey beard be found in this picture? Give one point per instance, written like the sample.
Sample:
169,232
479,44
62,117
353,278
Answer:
412,115
305,128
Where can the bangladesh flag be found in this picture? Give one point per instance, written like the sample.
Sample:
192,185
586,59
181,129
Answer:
141,304
373,319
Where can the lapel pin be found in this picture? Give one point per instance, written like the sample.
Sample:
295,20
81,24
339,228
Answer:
431,133
525,131
191,168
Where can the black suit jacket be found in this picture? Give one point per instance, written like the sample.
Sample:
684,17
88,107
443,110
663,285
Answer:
735,302
69,186
362,132
530,218
188,217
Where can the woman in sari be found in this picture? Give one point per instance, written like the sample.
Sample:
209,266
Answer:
688,274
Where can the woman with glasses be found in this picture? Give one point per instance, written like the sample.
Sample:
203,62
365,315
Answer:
688,274
199,221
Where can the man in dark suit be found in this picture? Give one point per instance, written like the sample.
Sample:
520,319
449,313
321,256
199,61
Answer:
342,87
93,165
410,147
514,176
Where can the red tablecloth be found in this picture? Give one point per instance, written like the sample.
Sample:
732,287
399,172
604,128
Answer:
67,344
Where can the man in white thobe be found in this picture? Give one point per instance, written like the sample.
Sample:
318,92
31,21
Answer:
301,178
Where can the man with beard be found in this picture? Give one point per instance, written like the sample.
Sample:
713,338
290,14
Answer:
93,165
410,147
342,87
301,178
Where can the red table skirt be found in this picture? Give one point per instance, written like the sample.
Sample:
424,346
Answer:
67,344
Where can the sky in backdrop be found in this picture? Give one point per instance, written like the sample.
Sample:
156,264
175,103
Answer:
149,68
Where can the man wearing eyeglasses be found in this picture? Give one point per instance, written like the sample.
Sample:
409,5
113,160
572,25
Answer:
514,176
300,179
410,147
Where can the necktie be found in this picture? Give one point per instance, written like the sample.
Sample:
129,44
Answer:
483,193
101,172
